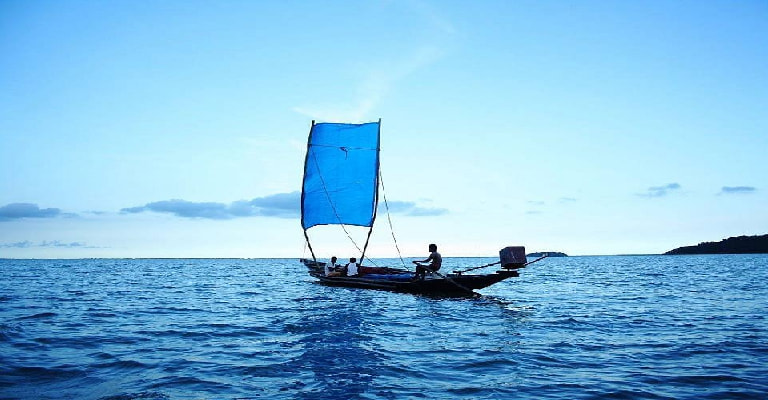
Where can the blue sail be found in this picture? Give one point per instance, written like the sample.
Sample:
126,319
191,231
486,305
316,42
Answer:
341,175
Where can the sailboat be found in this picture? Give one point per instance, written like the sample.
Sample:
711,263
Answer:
341,187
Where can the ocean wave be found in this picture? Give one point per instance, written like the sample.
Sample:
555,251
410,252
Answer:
585,328
38,316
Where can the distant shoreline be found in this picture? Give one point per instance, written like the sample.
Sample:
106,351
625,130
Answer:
547,253
732,245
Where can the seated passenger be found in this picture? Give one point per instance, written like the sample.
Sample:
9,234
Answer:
352,267
333,269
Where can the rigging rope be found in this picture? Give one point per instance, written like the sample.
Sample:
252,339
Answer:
474,268
343,226
391,229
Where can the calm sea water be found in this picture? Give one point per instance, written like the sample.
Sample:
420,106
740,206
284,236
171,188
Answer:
642,327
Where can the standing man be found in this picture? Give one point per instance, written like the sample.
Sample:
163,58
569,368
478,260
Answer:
435,260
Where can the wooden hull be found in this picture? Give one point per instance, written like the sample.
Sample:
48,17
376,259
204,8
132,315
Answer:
455,285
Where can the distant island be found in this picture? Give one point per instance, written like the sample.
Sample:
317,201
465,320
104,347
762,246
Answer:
547,253
732,245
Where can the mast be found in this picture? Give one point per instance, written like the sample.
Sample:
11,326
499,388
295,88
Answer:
376,195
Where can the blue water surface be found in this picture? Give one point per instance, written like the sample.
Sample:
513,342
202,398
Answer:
633,327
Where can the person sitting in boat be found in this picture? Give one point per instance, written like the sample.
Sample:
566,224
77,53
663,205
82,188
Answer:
331,268
352,267
435,261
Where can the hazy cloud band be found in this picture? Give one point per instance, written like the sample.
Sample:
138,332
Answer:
737,189
660,191
280,205
26,210
52,243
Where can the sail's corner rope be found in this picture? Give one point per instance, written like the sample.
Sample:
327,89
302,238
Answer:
336,213
343,227
391,228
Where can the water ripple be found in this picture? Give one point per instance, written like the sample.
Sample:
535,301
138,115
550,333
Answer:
574,328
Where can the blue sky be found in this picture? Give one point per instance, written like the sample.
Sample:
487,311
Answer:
178,128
